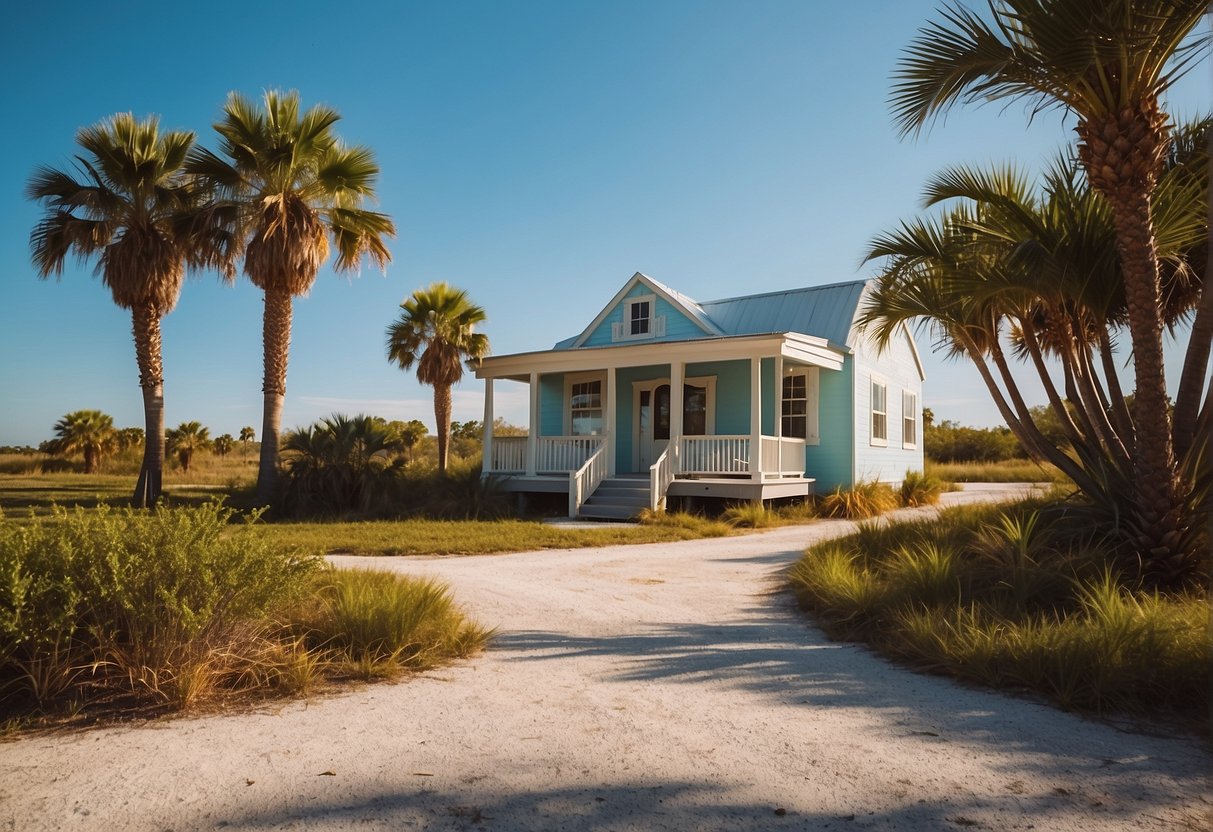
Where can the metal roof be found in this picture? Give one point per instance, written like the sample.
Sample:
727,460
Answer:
824,311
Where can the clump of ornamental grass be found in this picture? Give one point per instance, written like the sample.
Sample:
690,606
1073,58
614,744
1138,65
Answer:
919,489
860,501
750,516
1010,597
698,525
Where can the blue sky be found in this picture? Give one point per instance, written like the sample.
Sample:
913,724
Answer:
534,153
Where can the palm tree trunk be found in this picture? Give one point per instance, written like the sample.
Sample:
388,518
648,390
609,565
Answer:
442,415
1154,461
1195,371
276,337
145,324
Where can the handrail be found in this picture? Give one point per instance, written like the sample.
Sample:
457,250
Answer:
661,474
585,479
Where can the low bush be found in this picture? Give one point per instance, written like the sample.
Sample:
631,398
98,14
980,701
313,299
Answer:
113,609
859,502
694,524
1012,598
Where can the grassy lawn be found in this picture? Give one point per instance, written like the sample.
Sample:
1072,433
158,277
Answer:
1010,470
23,495
1012,598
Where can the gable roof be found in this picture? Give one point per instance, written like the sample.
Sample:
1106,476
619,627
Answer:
823,311
681,302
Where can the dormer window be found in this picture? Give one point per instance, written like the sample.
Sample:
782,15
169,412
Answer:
640,320
639,314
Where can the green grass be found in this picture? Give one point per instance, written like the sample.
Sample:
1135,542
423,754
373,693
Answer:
107,612
1011,470
464,537
1011,598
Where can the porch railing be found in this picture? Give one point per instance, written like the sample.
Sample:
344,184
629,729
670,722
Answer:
661,474
782,456
715,455
508,455
585,479
564,453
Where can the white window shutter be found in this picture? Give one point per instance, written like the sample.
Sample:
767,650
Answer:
659,326
617,331
812,386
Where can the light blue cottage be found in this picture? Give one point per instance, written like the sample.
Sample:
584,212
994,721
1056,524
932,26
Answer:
748,398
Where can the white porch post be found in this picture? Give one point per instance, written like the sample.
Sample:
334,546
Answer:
487,466
779,410
756,419
675,414
532,436
608,421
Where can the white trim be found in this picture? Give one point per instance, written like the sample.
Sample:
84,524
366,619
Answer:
875,379
917,418
624,330
799,348
812,401
651,385
698,318
567,400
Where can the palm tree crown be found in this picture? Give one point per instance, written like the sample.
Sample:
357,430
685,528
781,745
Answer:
294,187
187,439
436,331
130,203
87,432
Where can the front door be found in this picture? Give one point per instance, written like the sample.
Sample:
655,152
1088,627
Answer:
653,420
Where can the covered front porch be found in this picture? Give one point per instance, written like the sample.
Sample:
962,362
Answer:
721,417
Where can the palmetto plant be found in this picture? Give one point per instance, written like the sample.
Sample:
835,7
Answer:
187,439
1107,62
437,332
1010,271
223,444
130,204
297,187
339,464
87,432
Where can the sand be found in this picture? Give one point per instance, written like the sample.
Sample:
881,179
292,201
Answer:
669,686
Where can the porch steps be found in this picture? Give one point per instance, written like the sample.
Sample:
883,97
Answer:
617,499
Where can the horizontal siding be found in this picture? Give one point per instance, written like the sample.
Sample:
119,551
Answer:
897,368
829,462
732,393
551,404
625,409
678,327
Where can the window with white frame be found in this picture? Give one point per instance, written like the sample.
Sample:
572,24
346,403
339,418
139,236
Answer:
640,317
640,320
909,419
585,408
795,422
880,413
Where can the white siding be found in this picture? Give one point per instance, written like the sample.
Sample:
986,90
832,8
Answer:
898,370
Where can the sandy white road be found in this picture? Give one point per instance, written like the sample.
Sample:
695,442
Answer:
657,687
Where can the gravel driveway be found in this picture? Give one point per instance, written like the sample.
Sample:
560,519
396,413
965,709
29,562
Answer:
669,686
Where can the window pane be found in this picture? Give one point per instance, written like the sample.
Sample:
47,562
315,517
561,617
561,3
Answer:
694,410
794,427
879,426
795,408
587,423
661,412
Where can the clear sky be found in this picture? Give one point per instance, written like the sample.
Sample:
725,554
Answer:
534,153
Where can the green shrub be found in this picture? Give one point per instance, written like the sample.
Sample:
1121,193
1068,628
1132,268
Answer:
860,501
919,489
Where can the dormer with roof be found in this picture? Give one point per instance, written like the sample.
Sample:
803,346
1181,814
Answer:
756,397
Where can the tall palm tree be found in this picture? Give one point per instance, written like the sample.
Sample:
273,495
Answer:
247,435
187,439
1107,62
87,432
130,203
436,331
297,186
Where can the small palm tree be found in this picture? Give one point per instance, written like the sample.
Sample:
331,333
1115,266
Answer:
247,435
408,434
296,186
130,204
1107,62
436,331
87,432
223,444
187,439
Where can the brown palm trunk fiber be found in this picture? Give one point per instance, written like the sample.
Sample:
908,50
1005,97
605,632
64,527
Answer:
442,415
276,336
145,324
